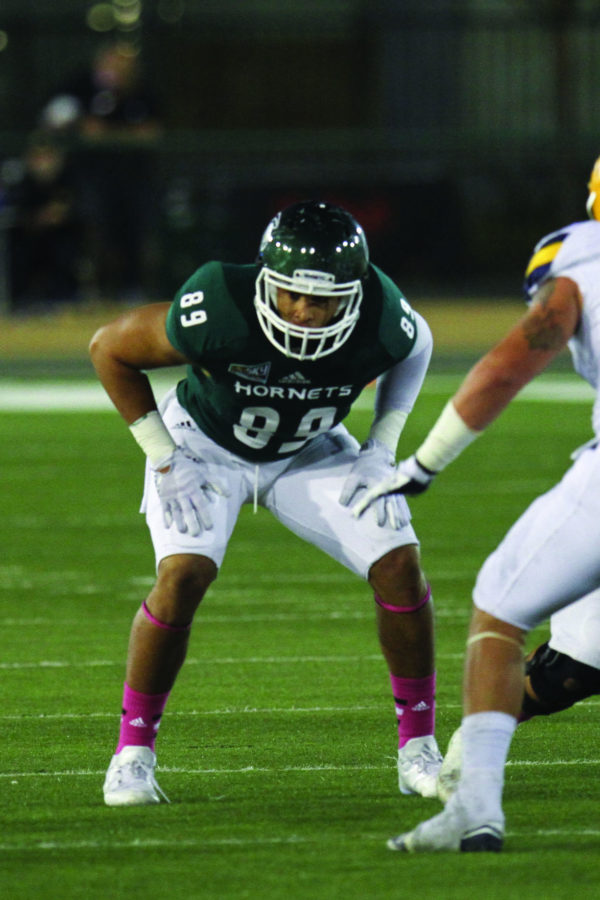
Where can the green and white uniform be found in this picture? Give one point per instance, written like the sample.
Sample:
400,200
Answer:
268,427
250,398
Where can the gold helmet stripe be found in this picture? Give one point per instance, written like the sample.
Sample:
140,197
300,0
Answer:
543,257
593,201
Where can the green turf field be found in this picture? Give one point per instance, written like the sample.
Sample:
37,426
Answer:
277,748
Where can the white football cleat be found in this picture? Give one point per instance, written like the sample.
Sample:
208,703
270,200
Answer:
453,829
449,774
419,763
130,779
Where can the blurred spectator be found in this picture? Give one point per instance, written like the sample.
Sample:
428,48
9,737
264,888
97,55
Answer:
45,232
112,112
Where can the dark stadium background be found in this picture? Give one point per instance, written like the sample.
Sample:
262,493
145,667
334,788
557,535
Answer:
458,132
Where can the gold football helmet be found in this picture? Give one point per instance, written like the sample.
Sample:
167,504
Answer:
593,201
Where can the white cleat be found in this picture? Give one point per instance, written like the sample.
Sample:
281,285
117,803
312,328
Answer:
130,779
453,829
419,763
449,774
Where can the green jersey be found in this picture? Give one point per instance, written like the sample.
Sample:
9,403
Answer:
250,398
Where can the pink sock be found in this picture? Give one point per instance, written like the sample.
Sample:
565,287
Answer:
415,706
140,718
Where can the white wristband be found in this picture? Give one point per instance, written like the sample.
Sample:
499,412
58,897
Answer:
387,428
446,440
153,437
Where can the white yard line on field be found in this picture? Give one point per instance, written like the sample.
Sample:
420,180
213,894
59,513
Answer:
449,616
229,711
265,770
89,396
201,843
63,396
213,661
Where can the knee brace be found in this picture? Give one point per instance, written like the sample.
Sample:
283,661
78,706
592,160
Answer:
558,682
405,609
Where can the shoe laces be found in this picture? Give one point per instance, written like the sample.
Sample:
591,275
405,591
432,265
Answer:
430,757
140,771
160,790
426,754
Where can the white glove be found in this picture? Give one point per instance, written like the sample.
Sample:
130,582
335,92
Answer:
184,492
374,465
410,477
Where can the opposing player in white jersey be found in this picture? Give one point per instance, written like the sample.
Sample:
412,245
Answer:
276,353
547,566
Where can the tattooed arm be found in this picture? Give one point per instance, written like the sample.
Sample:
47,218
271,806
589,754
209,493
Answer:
523,353
488,388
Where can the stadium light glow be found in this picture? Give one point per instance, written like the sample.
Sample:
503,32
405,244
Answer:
127,13
100,17
124,15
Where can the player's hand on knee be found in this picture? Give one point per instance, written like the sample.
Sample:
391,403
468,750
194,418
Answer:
374,465
410,478
185,493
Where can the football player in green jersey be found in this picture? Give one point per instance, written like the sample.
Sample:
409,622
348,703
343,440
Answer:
276,353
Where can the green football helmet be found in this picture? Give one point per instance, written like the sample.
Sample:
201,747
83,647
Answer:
311,248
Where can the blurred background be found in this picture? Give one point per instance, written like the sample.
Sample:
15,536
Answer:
140,138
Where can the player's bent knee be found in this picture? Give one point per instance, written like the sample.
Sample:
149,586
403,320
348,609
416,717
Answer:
398,571
185,578
558,681
398,581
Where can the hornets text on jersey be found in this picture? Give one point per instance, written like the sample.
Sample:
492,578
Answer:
253,400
